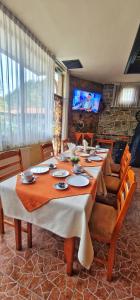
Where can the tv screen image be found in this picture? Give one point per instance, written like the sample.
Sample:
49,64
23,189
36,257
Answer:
86,101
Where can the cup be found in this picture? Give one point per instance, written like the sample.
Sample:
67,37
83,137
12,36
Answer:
63,157
77,168
27,175
61,185
97,147
51,166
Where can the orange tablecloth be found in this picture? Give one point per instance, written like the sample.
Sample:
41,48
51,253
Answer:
39,193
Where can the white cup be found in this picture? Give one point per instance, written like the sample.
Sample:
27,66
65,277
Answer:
27,175
77,168
97,147
63,157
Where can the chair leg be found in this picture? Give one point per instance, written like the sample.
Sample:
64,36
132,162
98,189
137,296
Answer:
1,219
18,236
29,235
111,259
69,245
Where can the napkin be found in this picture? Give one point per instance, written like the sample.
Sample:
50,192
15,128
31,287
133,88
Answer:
85,144
72,148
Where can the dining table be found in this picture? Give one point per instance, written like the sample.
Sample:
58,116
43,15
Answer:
67,216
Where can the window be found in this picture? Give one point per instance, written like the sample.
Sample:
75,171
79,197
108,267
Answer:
26,87
127,96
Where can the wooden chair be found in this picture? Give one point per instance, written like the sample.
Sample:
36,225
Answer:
78,137
107,221
47,150
112,182
10,165
89,136
64,146
115,168
106,142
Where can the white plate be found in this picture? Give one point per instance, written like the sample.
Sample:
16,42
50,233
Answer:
95,158
84,154
102,150
57,187
24,181
77,180
60,173
40,169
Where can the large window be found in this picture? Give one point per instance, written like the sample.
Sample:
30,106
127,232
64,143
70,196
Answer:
26,87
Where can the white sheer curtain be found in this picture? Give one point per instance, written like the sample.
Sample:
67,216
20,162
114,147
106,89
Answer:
126,95
65,106
26,87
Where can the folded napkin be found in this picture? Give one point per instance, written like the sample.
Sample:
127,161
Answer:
85,144
72,148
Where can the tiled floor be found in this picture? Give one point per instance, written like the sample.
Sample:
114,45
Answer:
39,273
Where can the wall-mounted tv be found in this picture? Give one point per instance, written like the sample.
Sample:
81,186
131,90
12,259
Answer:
86,101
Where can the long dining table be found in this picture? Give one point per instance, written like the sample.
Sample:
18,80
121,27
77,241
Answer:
67,217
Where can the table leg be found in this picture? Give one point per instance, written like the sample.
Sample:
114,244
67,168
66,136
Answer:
69,246
18,236
29,235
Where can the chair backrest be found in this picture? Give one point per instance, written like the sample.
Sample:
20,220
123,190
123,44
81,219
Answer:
65,144
125,163
78,136
47,150
124,198
10,164
106,142
124,153
89,136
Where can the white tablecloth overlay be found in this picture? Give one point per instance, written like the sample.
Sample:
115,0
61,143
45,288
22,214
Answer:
66,217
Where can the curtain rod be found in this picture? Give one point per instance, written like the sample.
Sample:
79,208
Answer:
17,21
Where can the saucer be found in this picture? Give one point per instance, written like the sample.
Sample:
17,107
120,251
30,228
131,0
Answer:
60,173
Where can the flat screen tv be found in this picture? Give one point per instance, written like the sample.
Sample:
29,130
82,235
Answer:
86,101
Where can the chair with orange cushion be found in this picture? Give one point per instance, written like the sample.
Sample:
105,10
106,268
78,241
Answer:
115,168
89,136
112,182
47,150
106,142
10,165
107,221
78,137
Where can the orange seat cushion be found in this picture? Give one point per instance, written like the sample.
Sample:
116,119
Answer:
104,220
110,200
112,183
115,168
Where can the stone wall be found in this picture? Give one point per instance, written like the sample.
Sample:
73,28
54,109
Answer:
90,120
115,121
110,123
